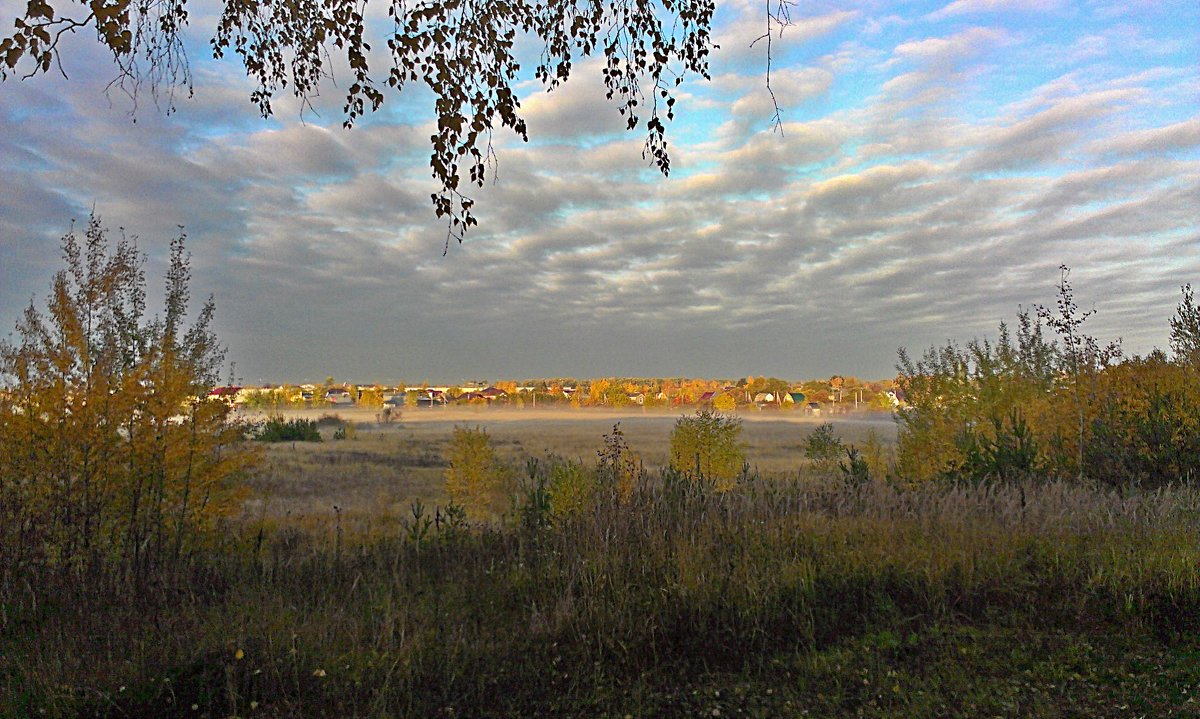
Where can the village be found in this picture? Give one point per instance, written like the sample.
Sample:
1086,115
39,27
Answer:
836,395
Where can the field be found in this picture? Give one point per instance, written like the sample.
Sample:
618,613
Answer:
386,467
344,590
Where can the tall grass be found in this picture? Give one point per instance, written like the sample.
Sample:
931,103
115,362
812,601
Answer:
437,617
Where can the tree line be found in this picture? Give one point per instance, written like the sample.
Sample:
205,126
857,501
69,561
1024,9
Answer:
1048,399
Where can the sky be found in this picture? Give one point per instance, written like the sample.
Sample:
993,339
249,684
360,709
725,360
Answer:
937,163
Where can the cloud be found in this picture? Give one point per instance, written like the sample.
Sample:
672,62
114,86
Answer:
970,7
1153,141
926,182
1046,136
743,42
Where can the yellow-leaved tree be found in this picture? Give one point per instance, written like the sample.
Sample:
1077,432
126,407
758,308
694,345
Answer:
116,467
707,446
476,479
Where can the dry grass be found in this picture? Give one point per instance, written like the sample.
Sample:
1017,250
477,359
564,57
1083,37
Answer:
387,467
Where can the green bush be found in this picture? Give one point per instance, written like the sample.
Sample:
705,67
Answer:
277,429
823,448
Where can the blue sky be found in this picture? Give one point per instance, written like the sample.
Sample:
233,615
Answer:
937,162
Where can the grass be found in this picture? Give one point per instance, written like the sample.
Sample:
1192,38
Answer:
387,467
792,595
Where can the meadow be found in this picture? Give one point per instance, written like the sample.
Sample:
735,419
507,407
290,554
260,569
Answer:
385,467
345,588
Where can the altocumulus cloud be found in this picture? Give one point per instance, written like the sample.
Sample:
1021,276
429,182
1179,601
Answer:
931,171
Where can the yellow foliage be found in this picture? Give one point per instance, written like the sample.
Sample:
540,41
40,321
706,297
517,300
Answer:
476,479
111,452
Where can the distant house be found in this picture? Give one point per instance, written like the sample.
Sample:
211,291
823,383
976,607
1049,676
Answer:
764,398
431,398
395,400
813,408
338,395
228,395
492,393
706,398
637,398
795,398
896,396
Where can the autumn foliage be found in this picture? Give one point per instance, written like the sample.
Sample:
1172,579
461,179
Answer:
115,466
1051,401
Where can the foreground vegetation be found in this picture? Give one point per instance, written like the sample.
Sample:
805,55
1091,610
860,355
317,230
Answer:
833,597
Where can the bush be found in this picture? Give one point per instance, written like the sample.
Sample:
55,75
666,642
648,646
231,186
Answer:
476,480
619,467
571,489
277,429
706,446
823,448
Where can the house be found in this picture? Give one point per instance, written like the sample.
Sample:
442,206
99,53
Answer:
706,398
794,398
814,408
431,398
492,393
228,395
637,398
338,395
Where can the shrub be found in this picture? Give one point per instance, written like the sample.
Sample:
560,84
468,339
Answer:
277,429
476,479
706,446
571,489
855,469
619,468
823,448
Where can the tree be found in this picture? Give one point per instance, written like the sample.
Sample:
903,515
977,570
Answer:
1083,357
823,448
1185,330
465,53
476,479
706,445
955,395
115,464
371,398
